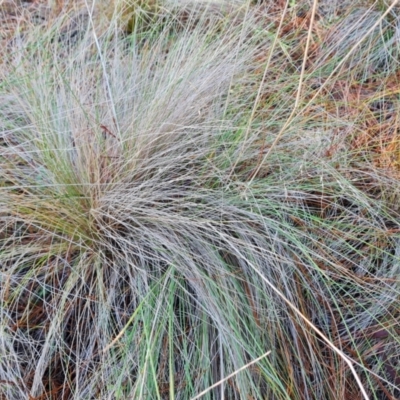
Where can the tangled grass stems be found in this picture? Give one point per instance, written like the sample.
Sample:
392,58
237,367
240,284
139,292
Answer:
150,249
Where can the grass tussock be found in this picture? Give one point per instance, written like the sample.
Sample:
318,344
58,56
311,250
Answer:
187,187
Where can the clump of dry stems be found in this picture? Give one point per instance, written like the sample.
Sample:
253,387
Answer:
188,189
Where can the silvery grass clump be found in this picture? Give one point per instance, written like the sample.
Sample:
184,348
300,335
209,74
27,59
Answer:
375,40
147,252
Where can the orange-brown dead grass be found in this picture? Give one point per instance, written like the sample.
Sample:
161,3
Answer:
371,106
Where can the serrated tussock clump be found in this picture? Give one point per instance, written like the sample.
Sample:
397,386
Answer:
171,211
